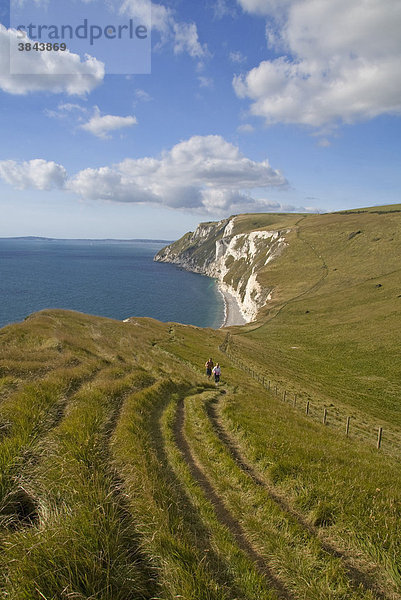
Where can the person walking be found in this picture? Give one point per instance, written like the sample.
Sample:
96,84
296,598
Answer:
216,372
209,366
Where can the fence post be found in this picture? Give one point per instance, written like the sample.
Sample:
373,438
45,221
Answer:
379,437
284,395
307,408
276,390
347,426
324,416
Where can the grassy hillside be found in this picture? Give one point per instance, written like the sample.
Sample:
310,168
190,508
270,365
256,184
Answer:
334,321
126,474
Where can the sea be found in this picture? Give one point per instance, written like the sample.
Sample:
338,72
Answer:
109,278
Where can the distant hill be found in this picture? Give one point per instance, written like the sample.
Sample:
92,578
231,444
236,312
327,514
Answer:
46,239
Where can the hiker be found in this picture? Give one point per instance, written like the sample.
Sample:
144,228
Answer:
209,366
216,372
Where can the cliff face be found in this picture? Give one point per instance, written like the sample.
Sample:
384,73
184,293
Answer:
233,258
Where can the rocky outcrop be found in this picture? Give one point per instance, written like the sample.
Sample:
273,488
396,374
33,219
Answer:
235,259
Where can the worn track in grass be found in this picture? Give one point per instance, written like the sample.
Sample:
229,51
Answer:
223,514
182,496
356,576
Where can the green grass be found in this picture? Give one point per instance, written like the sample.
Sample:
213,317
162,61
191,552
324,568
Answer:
84,545
336,335
26,415
164,522
101,496
295,557
306,463
232,566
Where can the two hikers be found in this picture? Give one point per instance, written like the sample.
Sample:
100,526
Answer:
211,368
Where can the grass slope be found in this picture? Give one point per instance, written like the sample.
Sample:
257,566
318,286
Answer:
126,474
338,293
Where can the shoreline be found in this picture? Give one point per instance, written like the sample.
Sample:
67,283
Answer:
232,313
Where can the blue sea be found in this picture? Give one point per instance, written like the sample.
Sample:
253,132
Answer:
116,279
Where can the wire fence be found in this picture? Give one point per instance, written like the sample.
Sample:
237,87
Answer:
353,426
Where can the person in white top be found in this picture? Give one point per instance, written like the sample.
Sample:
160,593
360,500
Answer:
216,372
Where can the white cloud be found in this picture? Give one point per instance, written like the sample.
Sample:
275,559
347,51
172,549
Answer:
186,40
261,7
222,8
142,96
65,109
207,174
183,36
203,174
246,128
109,183
47,70
101,126
70,107
35,174
205,82
340,62
237,57
228,202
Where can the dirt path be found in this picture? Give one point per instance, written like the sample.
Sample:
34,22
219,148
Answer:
224,515
356,576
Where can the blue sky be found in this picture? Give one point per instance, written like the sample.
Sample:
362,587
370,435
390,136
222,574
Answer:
251,105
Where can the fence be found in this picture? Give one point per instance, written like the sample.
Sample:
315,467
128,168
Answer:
324,415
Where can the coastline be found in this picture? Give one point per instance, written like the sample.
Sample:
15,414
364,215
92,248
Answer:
232,313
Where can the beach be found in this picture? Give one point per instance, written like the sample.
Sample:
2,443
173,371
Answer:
232,313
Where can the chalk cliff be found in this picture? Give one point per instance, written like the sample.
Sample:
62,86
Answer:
235,259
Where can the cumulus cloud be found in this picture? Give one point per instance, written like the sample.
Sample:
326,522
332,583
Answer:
35,174
207,174
101,126
340,62
55,72
183,36
203,174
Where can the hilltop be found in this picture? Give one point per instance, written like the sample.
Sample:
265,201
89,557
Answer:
323,293
125,473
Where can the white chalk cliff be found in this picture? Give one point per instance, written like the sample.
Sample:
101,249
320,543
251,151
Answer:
234,259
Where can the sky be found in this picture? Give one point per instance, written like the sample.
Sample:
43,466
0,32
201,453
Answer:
219,107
